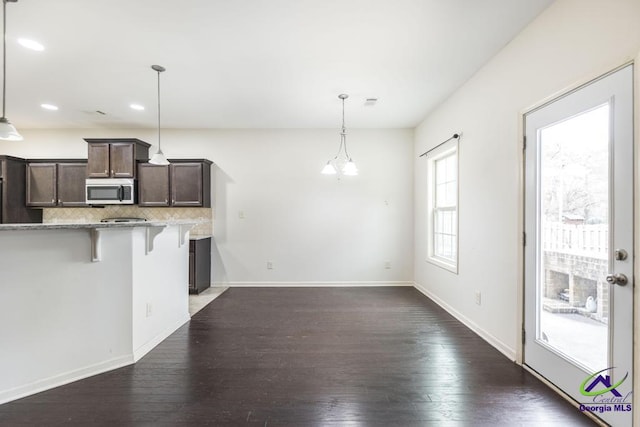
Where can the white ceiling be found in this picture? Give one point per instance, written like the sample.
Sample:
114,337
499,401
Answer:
248,63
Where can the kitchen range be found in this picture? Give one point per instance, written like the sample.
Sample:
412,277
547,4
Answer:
125,220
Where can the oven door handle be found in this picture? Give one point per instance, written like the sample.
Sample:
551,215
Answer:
120,193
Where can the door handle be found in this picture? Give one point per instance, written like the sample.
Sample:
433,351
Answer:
617,279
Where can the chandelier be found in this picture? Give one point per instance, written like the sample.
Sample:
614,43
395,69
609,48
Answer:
342,162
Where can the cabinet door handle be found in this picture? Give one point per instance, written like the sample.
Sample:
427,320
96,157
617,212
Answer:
106,172
173,202
53,201
111,172
60,202
166,202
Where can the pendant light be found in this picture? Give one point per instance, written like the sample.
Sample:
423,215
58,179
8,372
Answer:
8,132
158,158
342,164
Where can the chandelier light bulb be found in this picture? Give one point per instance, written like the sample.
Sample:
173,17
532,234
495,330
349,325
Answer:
329,169
350,169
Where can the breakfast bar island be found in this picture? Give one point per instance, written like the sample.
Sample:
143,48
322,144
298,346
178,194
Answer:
80,299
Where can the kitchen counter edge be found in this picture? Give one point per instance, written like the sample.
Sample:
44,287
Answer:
91,225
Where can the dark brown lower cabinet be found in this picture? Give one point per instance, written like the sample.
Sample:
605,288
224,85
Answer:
199,264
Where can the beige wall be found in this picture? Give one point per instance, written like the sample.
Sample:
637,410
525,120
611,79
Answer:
571,42
271,204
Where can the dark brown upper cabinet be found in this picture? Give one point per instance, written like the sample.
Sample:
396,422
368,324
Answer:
42,184
153,185
115,158
71,187
13,207
184,182
190,183
56,184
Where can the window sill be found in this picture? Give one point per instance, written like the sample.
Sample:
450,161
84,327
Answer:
443,264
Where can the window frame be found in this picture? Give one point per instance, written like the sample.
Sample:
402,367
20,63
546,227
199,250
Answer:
442,152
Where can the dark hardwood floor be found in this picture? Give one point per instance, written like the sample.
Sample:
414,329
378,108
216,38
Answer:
309,357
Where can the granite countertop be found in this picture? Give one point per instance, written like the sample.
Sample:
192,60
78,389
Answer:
200,237
92,225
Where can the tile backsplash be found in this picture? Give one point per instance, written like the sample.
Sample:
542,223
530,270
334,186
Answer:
204,216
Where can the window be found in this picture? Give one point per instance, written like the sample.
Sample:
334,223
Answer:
442,239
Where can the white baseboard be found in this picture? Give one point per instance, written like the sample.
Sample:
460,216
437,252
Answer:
495,342
141,351
309,284
64,378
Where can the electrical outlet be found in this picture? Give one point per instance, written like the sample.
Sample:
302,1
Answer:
478,298
241,214
387,265
149,309
269,265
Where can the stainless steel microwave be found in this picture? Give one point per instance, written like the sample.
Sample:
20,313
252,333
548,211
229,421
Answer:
110,191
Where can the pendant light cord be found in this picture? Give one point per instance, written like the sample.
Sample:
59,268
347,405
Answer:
343,136
158,158
4,55
159,149
344,133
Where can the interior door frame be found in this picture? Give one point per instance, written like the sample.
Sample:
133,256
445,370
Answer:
636,223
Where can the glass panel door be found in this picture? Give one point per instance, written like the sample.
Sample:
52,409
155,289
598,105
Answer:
573,295
579,253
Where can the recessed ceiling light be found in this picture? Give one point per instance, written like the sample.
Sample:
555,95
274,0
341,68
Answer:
31,44
49,107
137,107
